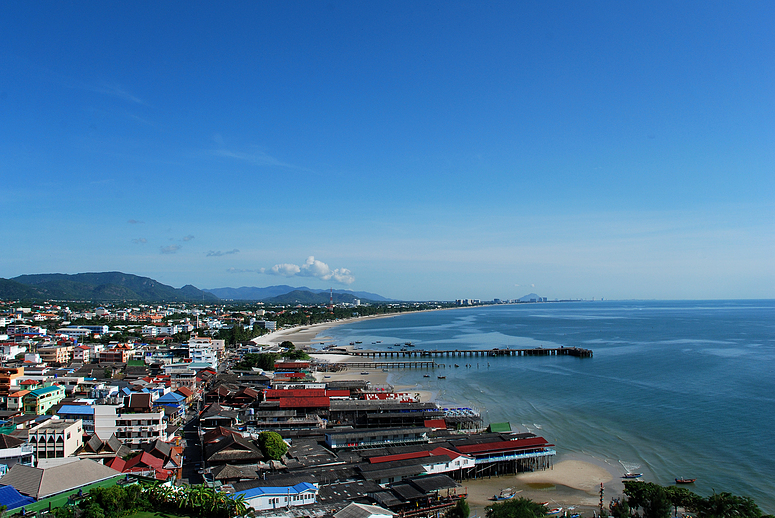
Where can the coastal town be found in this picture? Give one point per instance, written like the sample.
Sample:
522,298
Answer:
310,431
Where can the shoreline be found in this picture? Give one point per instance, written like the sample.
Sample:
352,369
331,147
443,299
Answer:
572,482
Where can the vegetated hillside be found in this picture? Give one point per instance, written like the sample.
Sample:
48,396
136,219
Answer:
270,292
15,290
107,286
307,297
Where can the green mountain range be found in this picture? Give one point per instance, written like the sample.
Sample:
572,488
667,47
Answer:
98,287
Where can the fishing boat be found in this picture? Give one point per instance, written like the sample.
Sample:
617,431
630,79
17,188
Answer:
442,377
506,494
554,512
632,475
426,375
684,480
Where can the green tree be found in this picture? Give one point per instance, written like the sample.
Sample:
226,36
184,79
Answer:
287,344
460,510
272,445
727,505
620,508
93,510
516,508
650,497
681,497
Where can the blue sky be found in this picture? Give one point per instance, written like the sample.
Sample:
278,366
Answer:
420,150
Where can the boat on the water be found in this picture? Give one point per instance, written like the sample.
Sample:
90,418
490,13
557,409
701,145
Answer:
555,511
442,377
684,480
632,475
426,375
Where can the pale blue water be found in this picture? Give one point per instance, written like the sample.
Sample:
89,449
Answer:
675,388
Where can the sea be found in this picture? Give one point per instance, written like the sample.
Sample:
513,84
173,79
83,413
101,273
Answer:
674,389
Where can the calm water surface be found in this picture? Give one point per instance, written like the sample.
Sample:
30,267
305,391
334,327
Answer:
674,389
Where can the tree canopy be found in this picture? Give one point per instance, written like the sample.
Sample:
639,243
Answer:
272,445
516,508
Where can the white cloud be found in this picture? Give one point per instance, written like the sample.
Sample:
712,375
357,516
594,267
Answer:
218,253
140,240
286,270
171,249
188,238
313,268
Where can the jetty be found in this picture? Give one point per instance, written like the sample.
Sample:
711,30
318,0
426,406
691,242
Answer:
459,353
389,364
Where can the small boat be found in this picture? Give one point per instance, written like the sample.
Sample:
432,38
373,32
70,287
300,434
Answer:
556,510
506,494
442,377
632,475
364,373
456,365
426,375
357,342
379,341
683,480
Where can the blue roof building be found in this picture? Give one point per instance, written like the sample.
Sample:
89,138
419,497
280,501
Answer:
12,499
275,497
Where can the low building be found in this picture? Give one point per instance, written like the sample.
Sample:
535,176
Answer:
83,412
268,497
56,438
41,483
39,401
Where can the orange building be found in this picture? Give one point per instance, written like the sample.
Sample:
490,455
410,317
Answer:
8,376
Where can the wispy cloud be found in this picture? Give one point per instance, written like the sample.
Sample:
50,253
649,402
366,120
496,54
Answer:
109,88
218,253
135,222
188,238
170,249
255,157
313,268
245,270
140,240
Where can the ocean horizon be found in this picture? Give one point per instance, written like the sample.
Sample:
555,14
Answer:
675,388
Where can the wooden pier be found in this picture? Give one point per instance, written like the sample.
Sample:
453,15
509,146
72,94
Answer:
386,365
460,353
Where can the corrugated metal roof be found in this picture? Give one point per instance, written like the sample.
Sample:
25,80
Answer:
500,446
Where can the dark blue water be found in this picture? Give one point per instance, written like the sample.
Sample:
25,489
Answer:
674,389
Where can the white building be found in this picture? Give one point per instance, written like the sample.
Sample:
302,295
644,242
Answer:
132,429
56,438
75,332
9,351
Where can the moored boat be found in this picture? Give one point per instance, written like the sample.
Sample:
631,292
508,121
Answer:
684,480
632,475
506,494
555,511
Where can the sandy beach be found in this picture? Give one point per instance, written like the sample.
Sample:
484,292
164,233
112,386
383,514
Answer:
573,481
304,335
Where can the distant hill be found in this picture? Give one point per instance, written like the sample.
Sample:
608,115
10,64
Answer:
270,293
307,297
529,297
98,287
